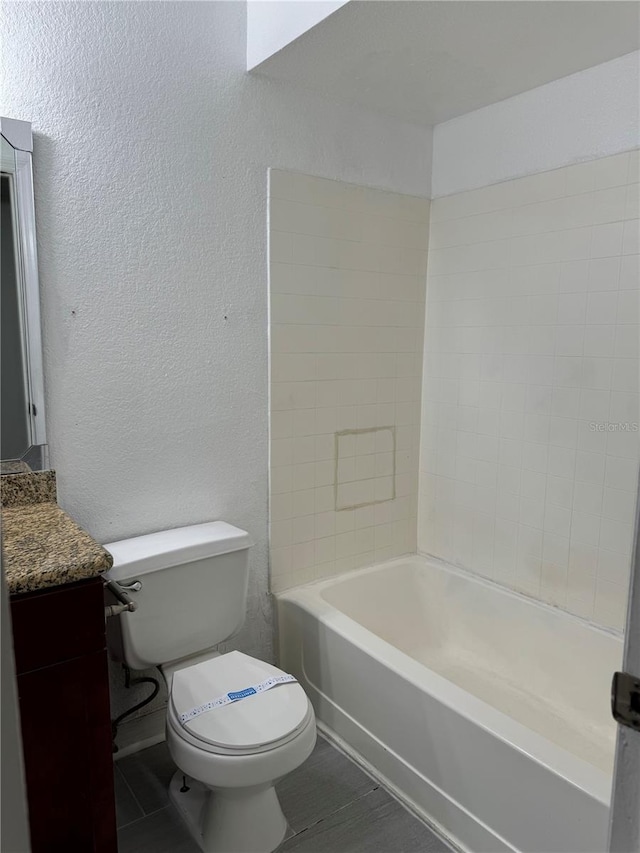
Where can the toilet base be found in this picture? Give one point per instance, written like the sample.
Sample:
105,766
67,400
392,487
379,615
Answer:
235,820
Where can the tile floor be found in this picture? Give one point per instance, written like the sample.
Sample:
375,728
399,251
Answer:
331,805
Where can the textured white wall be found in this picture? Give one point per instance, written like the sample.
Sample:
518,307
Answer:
152,146
594,113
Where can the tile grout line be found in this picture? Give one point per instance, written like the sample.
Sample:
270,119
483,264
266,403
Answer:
335,811
136,800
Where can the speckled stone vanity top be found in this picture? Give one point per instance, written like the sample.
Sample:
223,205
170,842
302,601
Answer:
41,545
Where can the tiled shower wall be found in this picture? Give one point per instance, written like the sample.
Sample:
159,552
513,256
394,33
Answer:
529,441
347,291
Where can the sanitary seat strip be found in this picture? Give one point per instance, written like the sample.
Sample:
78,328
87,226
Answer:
236,696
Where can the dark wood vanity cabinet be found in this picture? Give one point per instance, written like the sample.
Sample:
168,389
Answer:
63,690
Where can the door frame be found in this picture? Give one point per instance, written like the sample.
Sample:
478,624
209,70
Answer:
624,822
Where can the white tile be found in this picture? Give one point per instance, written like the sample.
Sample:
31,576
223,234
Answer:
611,171
302,503
304,422
608,205
631,237
594,404
508,506
531,513
579,178
606,240
627,341
570,340
628,307
303,476
281,424
280,533
543,309
604,273
589,467
303,449
557,520
325,499
280,507
559,491
632,201
625,409
624,442
567,371
620,473
324,473
572,308
532,337
533,485
565,402
619,505
610,604
583,559
592,436
588,498
616,536
574,276
302,529
555,549
530,541
613,567
281,451
602,307
553,584
629,272
597,373
281,480
600,341
561,461
626,375
585,528
563,432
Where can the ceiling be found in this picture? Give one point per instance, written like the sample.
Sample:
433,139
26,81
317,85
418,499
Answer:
425,62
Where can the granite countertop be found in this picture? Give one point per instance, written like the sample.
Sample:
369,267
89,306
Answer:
42,546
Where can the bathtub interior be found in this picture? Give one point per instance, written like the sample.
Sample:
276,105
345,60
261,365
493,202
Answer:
547,670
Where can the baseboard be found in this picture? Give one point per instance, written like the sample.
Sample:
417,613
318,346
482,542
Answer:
140,733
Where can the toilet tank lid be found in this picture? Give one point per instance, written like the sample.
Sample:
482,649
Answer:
167,548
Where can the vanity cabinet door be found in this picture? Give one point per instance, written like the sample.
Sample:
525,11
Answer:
63,693
66,736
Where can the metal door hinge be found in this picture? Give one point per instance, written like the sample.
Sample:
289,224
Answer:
625,699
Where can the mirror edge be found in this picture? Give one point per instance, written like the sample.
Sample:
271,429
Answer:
19,135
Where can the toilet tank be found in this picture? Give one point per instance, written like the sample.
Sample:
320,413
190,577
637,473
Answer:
193,590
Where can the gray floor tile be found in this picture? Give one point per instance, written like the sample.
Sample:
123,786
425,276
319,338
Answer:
330,803
127,809
375,823
161,832
326,782
148,774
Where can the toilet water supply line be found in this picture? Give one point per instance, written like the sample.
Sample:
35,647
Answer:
127,604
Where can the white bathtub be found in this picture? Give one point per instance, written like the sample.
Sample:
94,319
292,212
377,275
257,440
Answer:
487,712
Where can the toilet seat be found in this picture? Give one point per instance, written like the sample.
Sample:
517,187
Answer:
257,723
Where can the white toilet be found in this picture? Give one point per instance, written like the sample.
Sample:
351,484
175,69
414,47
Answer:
190,585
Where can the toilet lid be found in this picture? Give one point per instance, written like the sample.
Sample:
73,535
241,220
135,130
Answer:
249,723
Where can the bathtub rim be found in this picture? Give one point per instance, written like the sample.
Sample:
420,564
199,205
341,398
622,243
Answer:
573,769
